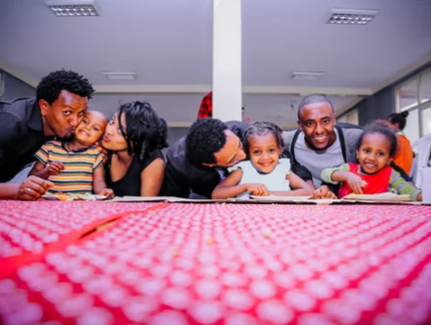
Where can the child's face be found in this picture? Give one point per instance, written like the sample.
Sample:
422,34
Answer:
373,154
264,152
91,129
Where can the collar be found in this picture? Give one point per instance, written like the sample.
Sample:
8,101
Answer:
35,122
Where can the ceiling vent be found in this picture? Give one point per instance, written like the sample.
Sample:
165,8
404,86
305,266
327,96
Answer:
307,75
72,8
351,17
127,75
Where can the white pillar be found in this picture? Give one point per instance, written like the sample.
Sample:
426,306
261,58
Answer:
227,83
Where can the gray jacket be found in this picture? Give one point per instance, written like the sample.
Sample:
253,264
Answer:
348,133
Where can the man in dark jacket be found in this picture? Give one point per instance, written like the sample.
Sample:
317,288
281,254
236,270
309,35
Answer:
27,123
198,163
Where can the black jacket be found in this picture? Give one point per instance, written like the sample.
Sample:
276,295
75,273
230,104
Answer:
21,135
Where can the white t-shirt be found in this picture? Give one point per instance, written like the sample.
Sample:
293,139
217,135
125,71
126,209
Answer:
274,181
317,160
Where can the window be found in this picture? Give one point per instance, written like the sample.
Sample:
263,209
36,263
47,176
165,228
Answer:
1,86
351,117
414,96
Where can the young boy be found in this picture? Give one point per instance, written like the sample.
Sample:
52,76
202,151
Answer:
76,166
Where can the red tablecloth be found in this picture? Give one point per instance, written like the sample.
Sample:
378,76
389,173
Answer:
231,264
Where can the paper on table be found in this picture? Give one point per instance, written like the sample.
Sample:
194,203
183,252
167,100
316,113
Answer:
377,197
279,198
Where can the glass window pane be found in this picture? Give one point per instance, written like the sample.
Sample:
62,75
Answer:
407,94
412,127
426,121
425,91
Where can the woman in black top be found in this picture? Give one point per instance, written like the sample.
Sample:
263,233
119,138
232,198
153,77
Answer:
134,138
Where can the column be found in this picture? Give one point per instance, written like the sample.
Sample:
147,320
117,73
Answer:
227,83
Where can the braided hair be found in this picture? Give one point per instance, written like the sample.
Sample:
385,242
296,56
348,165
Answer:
145,131
262,128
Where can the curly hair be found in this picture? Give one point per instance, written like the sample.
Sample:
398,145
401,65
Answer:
145,131
313,99
384,128
206,137
50,87
263,128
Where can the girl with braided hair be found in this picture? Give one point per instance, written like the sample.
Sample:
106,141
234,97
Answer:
134,139
265,172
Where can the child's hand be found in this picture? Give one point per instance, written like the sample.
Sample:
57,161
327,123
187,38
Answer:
323,192
107,192
356,183
257,189
55,168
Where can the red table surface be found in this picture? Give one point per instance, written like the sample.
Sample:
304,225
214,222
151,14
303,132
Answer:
234,265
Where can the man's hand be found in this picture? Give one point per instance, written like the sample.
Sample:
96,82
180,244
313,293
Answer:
323,192
33,188
55,168
103,151
257,189
356,183
107,192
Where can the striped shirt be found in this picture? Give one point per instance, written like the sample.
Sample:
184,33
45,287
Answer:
77,175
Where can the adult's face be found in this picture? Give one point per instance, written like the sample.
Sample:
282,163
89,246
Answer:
113,139
231,153
317,121
64,114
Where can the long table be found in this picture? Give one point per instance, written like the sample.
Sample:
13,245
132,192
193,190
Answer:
96,263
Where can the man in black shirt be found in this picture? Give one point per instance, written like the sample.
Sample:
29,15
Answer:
27,123
197,163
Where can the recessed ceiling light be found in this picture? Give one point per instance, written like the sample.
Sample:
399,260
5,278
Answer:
351,17
72,8
307,75
127,75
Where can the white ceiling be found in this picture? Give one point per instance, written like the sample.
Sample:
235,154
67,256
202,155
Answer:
169,43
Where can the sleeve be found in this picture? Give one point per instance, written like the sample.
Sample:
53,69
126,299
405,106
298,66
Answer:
153,156
327,173
9,133
43,153
398,183
301,171
174,183
97,161
243,165
401,172
285,163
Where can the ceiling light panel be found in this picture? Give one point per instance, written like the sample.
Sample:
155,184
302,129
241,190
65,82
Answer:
72,8
307,75
351,17
127,75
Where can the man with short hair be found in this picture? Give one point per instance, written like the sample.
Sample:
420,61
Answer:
27,123
197,163
319,142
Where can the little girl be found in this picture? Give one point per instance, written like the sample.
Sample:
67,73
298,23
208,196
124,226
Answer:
265,173
76,166
373,175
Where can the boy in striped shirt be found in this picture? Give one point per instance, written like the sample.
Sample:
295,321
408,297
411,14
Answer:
76,166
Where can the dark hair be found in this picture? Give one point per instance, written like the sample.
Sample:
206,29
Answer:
206,137
50,87
312,99
384,128
263,128
145,130
399,118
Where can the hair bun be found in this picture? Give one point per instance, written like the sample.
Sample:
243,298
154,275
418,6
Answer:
405,114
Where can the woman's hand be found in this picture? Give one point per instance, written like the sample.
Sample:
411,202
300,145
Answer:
103,151
107,192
